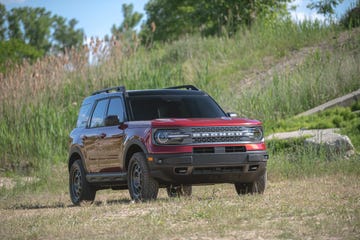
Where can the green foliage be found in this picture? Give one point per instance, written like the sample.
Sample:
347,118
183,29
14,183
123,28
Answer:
36,23
131,20
169,20
13,52
325,7
36,28
340,117
126,32
351,19
65,35
39,132
2,22
288,145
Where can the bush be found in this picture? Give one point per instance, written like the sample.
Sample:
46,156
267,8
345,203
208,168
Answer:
351,18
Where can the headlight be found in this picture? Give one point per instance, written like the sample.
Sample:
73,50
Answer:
169,136
255,133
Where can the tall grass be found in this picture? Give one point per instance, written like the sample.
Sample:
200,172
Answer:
39,102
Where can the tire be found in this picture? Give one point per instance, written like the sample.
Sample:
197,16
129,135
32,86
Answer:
142,187
80,190
179,191
257,187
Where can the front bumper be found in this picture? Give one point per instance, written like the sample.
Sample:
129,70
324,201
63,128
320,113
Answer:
207,168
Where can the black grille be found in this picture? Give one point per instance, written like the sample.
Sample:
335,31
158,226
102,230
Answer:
218,134
204,150
235,149
218,139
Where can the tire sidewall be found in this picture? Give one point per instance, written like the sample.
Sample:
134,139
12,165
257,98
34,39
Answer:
257,187
87,193
149,186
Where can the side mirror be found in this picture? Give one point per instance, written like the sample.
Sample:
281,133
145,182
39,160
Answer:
232,114
112,120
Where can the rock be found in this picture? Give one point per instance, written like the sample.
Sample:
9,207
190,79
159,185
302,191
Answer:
301,133
333,143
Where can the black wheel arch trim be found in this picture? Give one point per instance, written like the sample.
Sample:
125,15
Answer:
71,160
132,146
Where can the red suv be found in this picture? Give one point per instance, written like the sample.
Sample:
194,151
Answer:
170,138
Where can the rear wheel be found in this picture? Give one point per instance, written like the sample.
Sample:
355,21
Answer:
80,190
142,187
179,191
252,188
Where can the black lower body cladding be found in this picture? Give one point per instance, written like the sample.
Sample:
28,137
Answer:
204,168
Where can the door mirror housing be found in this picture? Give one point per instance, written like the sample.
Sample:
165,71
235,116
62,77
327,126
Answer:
232,114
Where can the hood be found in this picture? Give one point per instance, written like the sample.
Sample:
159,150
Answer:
203,122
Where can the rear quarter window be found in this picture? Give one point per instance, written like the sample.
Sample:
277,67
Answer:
84,115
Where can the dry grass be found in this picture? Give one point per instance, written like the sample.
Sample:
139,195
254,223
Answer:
310,208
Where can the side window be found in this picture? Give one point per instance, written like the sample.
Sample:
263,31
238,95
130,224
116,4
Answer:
116,108
84,115
98,116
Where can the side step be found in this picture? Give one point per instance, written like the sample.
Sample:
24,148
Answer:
106,177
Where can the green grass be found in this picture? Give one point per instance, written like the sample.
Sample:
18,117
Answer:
347,119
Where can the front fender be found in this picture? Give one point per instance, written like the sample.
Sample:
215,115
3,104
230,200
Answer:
132,146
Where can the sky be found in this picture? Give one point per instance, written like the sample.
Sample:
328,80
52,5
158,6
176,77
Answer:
96,17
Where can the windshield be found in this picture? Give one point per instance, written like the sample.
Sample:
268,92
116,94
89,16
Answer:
153,107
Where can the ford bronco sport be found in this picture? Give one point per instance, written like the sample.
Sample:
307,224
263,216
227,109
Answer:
173,138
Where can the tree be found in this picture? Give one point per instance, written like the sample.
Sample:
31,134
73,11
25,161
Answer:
65,35
2,22
324,7
36,24
173,19
131,20
167,20
29,33
351,18
126,31
14,31
12,52
41,30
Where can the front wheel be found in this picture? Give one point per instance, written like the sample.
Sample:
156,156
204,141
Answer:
80,190
142,187
179,191
252,188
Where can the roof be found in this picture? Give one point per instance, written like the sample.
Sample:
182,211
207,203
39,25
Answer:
116,91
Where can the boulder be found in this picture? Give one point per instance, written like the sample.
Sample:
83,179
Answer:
332,142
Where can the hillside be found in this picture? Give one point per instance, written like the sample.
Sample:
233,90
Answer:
271,72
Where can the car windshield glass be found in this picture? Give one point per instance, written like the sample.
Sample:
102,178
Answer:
154,107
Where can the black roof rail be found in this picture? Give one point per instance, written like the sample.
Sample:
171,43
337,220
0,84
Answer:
112,89
187,87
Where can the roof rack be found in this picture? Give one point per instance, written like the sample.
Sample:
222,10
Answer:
112,89
187,87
